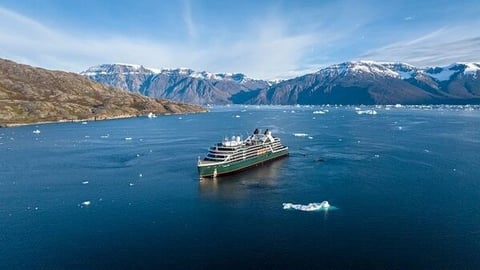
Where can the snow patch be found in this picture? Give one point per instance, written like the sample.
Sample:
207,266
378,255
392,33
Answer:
443,75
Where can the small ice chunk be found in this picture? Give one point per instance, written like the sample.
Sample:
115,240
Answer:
131,184
128,138
300,134
372,112
85,203
140,175
36,131
85,182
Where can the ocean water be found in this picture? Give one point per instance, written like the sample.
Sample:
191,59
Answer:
403,185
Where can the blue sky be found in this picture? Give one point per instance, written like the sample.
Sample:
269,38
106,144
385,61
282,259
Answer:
262,39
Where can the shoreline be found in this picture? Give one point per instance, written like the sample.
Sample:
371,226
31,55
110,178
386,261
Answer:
92,119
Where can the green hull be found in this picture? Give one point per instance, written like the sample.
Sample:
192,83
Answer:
226,168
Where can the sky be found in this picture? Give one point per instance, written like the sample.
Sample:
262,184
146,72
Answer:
263,39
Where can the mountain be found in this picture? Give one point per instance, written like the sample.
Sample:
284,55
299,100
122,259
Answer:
181,84
368,82
32,95
356,82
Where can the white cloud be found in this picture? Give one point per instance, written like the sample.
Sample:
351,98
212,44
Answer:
264,50
188,20
442,46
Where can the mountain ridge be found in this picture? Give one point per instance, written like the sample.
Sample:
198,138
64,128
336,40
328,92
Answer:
352,82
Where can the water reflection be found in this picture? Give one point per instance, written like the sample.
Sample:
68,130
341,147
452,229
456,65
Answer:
240,185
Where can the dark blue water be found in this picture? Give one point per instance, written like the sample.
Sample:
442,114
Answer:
405,184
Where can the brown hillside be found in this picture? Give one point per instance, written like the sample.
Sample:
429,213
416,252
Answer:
31,95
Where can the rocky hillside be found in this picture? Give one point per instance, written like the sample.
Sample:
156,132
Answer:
367,82
181,84
32,95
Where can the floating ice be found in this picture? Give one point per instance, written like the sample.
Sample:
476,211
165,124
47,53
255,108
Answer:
237,116
318,112
84,123
131,184
308,207
105,136
36,131
367,112
85,182
128,138
300,134
85,203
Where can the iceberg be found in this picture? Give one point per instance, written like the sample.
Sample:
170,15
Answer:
367,112
85,203
307,207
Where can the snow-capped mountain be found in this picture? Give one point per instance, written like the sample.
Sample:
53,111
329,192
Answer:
181,84
368,82
355,82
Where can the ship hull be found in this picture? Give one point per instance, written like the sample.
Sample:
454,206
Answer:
217,169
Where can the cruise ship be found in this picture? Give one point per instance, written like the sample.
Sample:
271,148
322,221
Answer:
234,154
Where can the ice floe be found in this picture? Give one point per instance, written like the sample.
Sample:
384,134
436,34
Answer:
367,112
300,134
36,131
85,183
85,203
307,207
128,138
